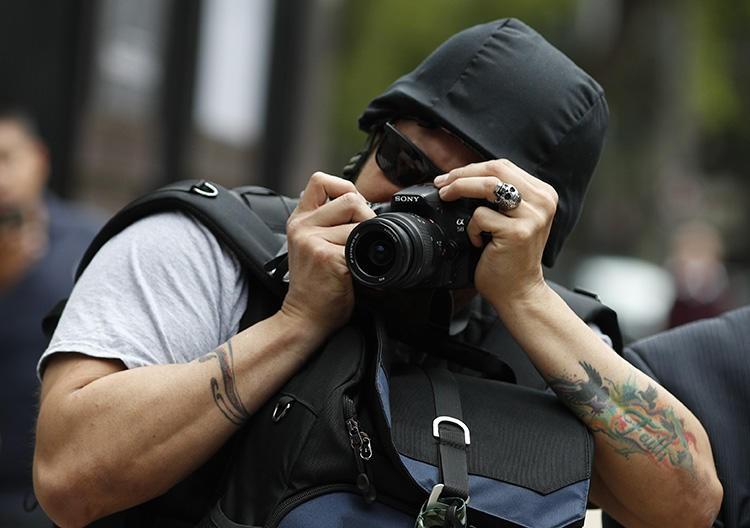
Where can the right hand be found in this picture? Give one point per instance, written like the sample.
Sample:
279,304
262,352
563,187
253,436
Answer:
320,285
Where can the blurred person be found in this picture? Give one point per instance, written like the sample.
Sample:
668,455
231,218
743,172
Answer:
706,364
700,277
129,404
41,240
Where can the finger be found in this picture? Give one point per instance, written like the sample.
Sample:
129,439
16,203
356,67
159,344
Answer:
485,220
337,234
347,208
483,188
320,188
502,169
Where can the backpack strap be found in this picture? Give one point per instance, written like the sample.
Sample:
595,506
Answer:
586,306
236,218
451,433
222,211
591,310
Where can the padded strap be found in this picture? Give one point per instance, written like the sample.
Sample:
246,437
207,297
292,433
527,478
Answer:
475,358
590,309
237,220
222,211
452,433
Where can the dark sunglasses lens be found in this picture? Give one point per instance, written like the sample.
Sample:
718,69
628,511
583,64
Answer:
401,162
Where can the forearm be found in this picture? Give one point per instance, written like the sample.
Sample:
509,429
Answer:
649,447
129,436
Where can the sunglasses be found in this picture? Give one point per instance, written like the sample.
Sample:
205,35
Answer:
401,160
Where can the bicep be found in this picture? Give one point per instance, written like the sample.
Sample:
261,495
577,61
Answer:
162,291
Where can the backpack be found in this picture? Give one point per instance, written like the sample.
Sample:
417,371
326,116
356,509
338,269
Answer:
360,437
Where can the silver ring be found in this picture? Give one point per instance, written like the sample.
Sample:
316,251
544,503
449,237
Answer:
507,197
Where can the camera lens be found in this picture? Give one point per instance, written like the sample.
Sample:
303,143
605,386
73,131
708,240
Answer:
375,253
394,250
381,253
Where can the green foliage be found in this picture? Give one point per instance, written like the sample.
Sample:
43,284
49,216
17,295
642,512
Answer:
713,92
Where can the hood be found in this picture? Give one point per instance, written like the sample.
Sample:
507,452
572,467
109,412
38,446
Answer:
509,93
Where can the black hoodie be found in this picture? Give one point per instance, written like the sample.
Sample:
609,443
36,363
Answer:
509,94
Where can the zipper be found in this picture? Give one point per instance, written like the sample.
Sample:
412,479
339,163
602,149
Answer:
361,445
381,423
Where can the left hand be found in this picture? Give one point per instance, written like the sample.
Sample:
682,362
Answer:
510,267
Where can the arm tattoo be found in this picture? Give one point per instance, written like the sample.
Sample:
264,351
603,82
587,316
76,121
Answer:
225,394
635,421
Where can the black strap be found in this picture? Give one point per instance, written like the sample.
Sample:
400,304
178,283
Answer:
589,308
451,437
222,211
474,358
236,218
49,323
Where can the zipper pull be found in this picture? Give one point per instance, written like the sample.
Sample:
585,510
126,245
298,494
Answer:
362,447
365,449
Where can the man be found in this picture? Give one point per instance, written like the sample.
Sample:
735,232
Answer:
163,293
705,364
41,240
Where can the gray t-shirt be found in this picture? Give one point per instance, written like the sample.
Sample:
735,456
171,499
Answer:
161,291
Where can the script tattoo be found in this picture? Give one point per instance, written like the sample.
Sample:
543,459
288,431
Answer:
634,420
225,392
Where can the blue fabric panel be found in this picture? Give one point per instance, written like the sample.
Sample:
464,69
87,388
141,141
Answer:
513,503
384,391
345,510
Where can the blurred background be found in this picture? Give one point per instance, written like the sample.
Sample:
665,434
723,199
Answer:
132,94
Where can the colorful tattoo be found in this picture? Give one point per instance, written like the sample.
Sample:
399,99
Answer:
225,394
634,420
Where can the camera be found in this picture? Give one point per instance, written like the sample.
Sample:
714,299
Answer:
416,241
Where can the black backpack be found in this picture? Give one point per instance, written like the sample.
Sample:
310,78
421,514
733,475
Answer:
359,437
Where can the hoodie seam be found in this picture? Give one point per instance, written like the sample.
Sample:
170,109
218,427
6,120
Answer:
469,64
567,133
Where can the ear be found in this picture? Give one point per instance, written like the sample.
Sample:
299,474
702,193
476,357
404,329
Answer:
354,166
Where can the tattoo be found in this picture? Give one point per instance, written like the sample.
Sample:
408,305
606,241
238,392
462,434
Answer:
225,394
635,421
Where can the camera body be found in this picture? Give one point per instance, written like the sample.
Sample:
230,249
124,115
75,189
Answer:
416,241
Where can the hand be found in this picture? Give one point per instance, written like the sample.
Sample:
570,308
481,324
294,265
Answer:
320,285
510,267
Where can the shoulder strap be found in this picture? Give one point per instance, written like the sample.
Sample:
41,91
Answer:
590,309
236,217
222,211
499,342
451,432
